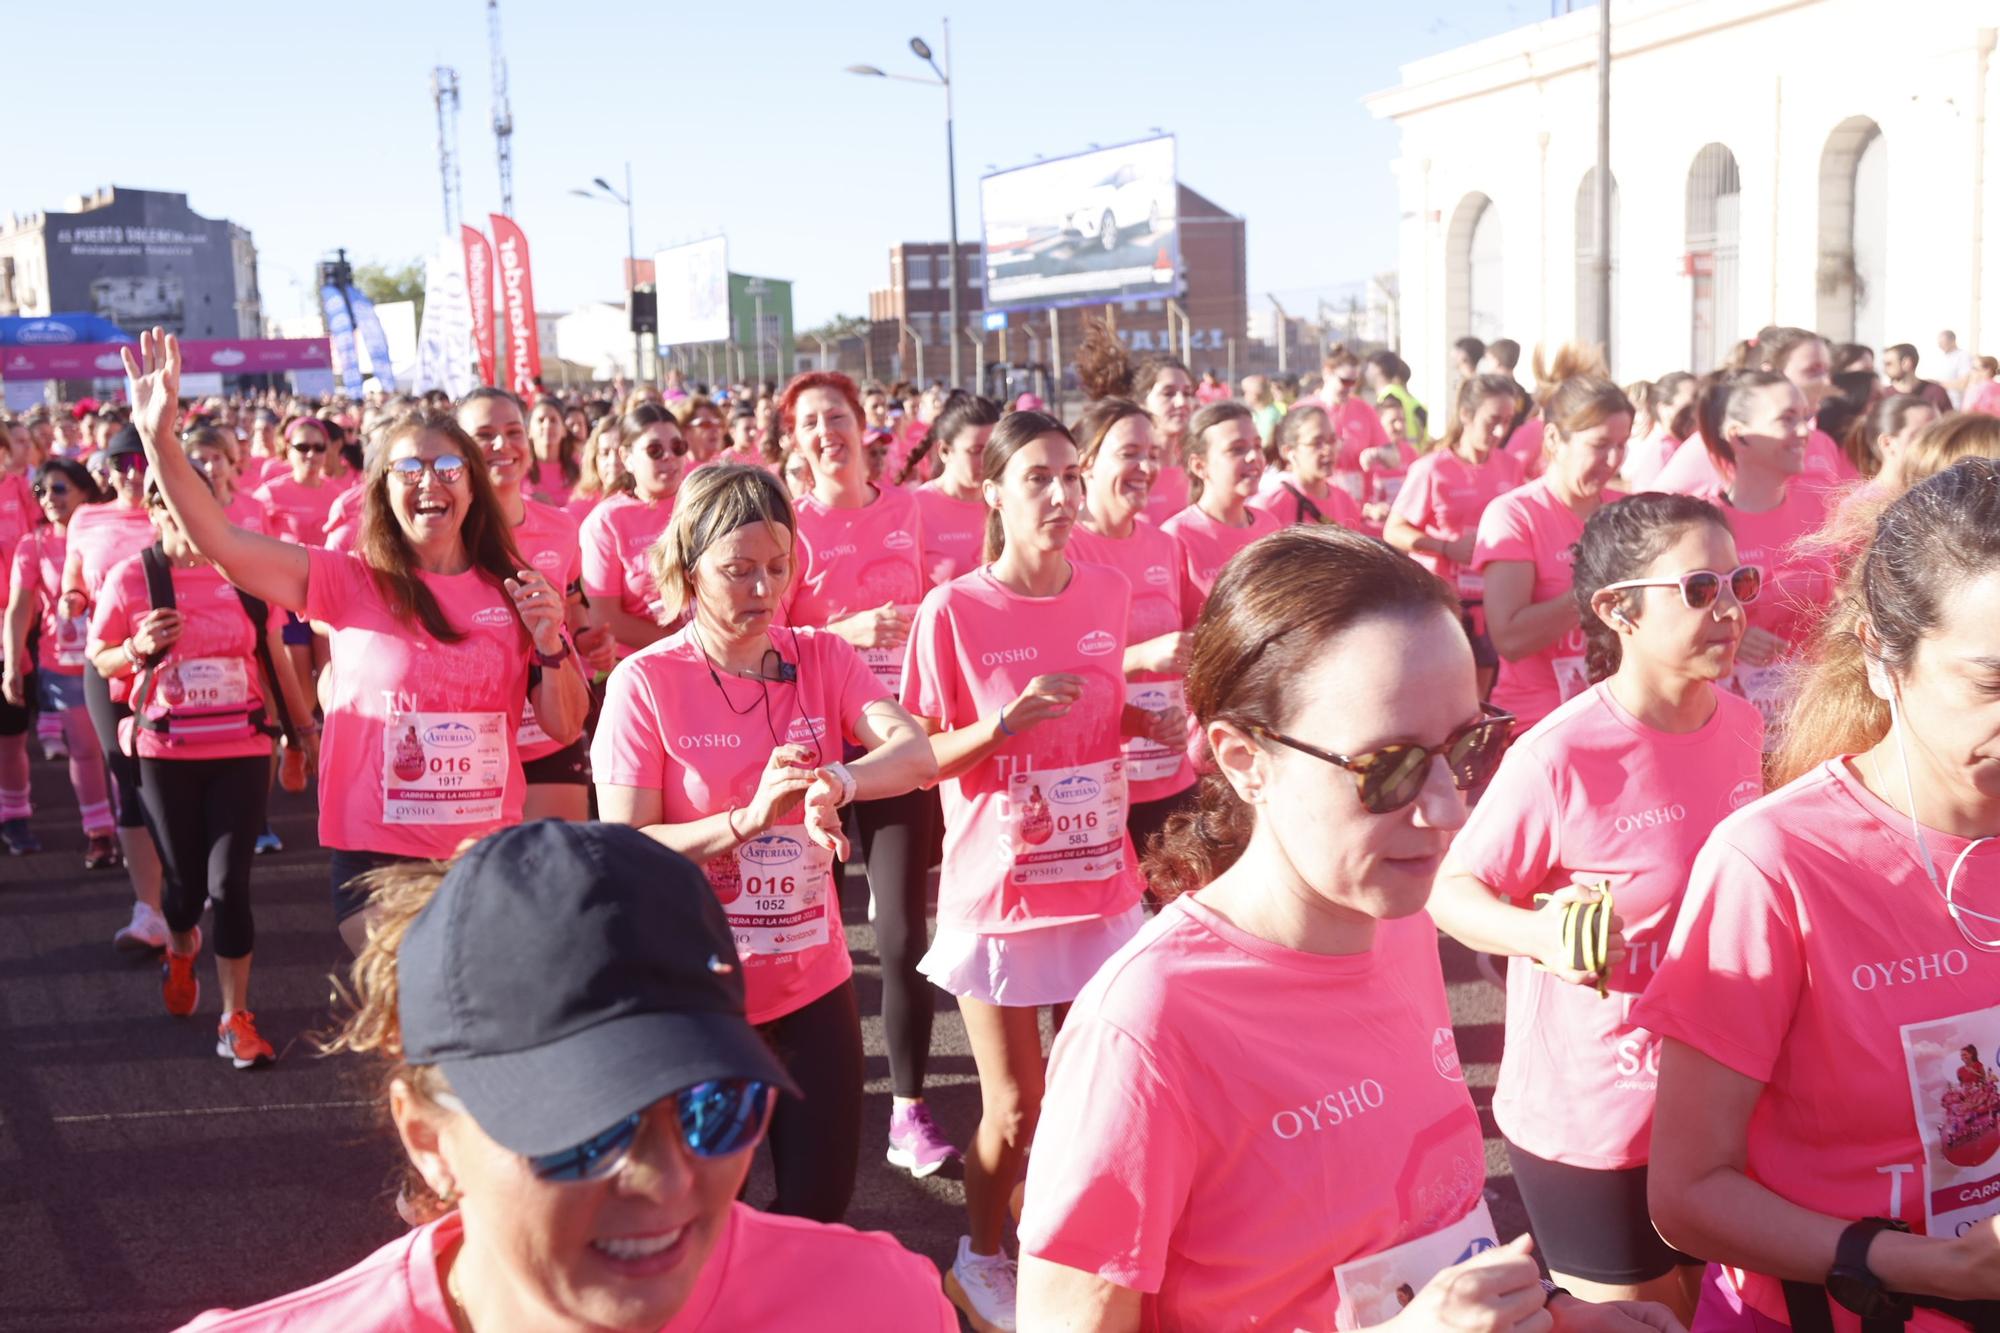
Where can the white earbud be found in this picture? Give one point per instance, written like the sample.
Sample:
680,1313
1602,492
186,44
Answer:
1878,677
1622,619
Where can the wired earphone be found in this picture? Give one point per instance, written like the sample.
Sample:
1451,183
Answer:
766,675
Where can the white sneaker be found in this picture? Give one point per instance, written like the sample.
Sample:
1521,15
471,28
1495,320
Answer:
982,1287
145,933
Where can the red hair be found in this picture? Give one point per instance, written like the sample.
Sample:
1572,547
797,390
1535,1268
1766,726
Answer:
788,401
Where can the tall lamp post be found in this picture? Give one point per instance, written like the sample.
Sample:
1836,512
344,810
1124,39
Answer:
602,190
943,80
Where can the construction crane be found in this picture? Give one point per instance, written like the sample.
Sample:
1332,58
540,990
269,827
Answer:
503,116
444,91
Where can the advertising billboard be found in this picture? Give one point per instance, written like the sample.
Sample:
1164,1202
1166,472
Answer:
1098,226
692,286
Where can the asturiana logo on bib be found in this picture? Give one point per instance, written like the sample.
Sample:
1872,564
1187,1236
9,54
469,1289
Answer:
771,850
492,615
1076,789
1097,643
898,541
450,735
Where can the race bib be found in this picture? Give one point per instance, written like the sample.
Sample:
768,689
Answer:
774,890
1145,760
444,768
1390,487
1375,1289
1769,687
1471,586
1572,676
887,663
1957,1099
72,633
1066,824
203,685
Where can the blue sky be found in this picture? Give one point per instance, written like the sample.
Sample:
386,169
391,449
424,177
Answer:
312,124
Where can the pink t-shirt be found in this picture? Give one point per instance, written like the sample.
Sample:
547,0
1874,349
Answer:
1206,546
1034,834
1984,397
37,565
1594,794
257,471
701,740
954,534
853,560
419,735
836,1280
1645,459
1204,1145
1798,586
1444,496
1524,445
208,686
580,507
1358,427
546,484
547,539
1693,471
299,512
1529,523
617,539
101,535
343,521
1813,956
1282,501
246,511
1150,560
1169,494
19,512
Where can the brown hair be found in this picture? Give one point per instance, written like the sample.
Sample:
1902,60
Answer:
1207,419
1473,391
642,417
1886,417
1851,523
716,501
1096,422
1268,620
589,484
1775,343
1619,542
1015,431
1937,536
566,447
1103,367
386,550
1725,396
1571,361
1580,403
1286,436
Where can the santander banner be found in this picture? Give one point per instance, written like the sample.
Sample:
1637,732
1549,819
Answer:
517,299
479,288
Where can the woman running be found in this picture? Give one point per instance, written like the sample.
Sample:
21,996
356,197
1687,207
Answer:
1829,1004
439,631
1016,671
1303,491
1207,1158
860,577
189,654
556,471
620,533
49,649
300,499
1120,457
724,741
951,504
1224,464
1525,543
1608,800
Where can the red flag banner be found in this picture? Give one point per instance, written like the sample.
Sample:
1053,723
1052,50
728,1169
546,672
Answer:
517,301
479,286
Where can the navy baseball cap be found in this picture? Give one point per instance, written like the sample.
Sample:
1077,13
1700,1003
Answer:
567,975
126,441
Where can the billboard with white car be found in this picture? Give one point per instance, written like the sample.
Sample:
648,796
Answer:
1094,227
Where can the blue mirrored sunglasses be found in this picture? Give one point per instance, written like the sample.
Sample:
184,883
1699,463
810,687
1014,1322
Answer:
717,1118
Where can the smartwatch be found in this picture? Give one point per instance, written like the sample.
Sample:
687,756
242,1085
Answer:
847,783
543,659
1850,1280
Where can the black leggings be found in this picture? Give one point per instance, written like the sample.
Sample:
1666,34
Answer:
816,1138
208,813
894,837
124,769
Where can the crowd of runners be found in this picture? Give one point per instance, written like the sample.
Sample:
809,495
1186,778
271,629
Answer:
1207,712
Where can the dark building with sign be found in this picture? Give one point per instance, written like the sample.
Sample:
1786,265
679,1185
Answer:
137,258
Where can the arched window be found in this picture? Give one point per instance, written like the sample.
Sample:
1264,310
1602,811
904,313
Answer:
1714,233
1472,275
1853,232
1586,263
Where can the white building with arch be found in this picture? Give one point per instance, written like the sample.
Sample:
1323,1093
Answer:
1833,163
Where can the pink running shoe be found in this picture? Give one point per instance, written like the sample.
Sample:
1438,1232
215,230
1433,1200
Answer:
915,1142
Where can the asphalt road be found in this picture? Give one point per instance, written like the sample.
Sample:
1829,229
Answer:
143,1179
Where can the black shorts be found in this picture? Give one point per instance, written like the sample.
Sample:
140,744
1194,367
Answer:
1593,1224
567,767
1484,655
344,867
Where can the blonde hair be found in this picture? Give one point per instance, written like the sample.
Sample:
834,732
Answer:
590,484
714,502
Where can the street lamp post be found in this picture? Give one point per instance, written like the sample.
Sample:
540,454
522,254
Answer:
605,192
922,50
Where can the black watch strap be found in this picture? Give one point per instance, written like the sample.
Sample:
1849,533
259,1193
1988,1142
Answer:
1853,1283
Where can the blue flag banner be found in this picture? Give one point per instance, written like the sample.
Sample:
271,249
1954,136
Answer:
369,326
340,333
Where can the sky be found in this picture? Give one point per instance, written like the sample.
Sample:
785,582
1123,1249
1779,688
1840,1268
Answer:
313,124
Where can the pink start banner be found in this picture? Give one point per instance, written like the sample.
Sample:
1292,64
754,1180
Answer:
225,356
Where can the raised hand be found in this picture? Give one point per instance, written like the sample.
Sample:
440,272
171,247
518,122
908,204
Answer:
155,377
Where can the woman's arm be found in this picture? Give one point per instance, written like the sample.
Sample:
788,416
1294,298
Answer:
1520,628
24,603
964,749
699,840
899,757
1704,1203
1067,1300
262,566
1471,912
562,700
633,631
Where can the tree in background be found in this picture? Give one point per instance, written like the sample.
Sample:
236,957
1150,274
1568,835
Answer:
382,284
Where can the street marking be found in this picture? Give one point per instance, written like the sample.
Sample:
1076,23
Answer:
107,1116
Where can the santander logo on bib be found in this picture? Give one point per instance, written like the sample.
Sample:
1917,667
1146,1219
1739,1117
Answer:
1097,643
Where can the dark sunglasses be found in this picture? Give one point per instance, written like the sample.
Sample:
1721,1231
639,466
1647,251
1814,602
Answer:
1390,778
717,1118
447,468
129,462
308,448
1701,587
659,453
46,489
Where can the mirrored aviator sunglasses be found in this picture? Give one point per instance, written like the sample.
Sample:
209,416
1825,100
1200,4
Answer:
1390,778
717,1118
447,468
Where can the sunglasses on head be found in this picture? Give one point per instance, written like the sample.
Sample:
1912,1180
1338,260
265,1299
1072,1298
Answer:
447,468
1701,587
1391,777
717,1118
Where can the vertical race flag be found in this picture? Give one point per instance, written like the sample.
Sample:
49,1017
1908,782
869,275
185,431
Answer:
479,294
444,346
369,325
517,298
340,335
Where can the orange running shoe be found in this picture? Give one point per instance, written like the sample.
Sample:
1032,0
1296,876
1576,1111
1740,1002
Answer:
179,986
236,1040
